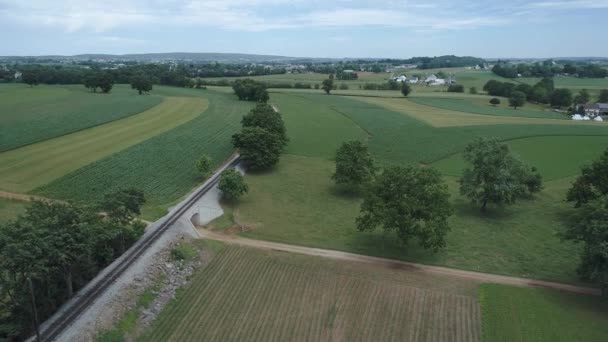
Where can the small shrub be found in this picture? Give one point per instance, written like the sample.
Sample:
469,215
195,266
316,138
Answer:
495,101
456,88
183,252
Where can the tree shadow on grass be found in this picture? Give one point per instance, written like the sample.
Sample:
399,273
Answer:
492,213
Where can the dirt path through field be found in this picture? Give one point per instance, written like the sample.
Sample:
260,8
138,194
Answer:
23,197
396,264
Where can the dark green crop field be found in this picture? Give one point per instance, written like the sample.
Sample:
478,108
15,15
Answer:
29,115
162,166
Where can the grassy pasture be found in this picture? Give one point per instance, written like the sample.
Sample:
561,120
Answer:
163,165
313,78
29,115
521,314
29,167
547,153
10,209
298,204
252,295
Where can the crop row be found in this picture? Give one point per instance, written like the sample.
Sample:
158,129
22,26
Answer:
249,295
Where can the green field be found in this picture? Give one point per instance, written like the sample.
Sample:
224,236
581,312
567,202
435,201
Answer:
547,153
476,106
29,115
521,314
32,166
163,165
10,209
297,203
252,295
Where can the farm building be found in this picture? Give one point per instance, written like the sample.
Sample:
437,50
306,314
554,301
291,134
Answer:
596,109
401,78
413,80
435,81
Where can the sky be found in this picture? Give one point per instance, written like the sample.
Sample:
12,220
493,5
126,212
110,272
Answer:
307,28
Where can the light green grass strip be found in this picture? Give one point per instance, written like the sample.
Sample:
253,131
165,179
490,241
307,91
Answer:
522,314
26,168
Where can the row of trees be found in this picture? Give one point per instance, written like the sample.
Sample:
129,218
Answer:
250,90
543,91
548,69
60,247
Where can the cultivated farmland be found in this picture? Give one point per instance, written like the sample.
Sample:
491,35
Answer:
29,167
29,115
163,165
252,295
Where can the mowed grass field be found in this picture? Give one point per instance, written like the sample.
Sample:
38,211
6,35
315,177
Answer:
522,314
29,115
297,202
253,295
32,166
163,165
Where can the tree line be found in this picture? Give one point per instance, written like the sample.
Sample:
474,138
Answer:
543,91
59,247
548,69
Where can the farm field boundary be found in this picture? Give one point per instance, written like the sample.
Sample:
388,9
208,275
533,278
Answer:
397,264
30,115
246,294
23,169
440,117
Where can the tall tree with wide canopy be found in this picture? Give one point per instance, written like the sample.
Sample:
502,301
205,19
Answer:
494,175
411,201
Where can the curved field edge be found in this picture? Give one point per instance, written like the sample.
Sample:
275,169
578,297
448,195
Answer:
162,166
32,166
468,105
547,153
254,295
31,115
523,314
398,138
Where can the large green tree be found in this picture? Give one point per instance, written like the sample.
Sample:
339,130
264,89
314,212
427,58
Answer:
30,78
561,97
582,97
592,183
265,116
589,225
405,89
258,147
141,83
232,184
517,99
411,201
354,165
250,90
495,176
328,84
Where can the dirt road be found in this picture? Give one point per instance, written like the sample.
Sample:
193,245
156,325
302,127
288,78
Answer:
22,197
407,266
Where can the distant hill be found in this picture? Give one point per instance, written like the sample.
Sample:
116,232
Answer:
173,56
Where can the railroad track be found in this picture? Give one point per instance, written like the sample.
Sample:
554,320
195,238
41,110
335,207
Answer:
85,299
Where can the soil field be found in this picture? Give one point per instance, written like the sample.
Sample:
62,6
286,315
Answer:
253,295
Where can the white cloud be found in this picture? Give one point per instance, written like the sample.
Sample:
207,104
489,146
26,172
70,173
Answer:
575,4
261,15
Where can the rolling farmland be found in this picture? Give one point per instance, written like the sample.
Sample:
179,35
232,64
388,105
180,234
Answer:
163,165
29,115
252,295
32,166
